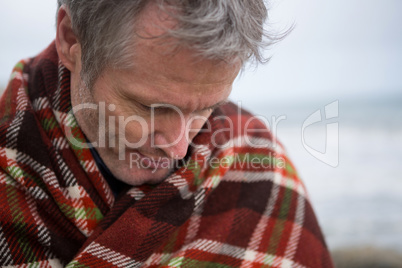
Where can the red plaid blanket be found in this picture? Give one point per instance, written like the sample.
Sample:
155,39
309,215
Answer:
236,206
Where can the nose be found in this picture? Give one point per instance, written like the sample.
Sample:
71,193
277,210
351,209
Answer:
172,136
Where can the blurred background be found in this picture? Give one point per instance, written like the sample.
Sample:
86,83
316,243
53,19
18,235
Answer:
343,55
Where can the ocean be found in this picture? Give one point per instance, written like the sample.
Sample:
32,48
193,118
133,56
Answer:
358,202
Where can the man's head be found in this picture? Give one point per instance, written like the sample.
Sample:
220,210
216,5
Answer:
219,29
129,55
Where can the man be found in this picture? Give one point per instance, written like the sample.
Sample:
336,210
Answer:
118,147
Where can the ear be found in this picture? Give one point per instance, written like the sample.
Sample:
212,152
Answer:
67,44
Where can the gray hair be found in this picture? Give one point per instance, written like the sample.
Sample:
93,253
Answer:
216,29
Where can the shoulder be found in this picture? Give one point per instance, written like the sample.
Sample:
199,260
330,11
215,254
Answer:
260,202
240,124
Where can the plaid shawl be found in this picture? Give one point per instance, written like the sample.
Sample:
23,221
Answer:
57,210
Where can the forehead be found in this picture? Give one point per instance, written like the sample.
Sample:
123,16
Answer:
176,75
178,78
182,65
154,43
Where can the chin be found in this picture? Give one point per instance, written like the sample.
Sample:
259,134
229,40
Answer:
137,176
130,172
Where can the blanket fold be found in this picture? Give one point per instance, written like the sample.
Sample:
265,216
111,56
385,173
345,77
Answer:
226,206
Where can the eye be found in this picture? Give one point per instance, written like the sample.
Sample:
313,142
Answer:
156,110
145,107
212,109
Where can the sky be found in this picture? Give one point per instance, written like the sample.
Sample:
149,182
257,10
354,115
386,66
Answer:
338,49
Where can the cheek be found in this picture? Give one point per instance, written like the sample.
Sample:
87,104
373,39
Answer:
133,127
125,125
